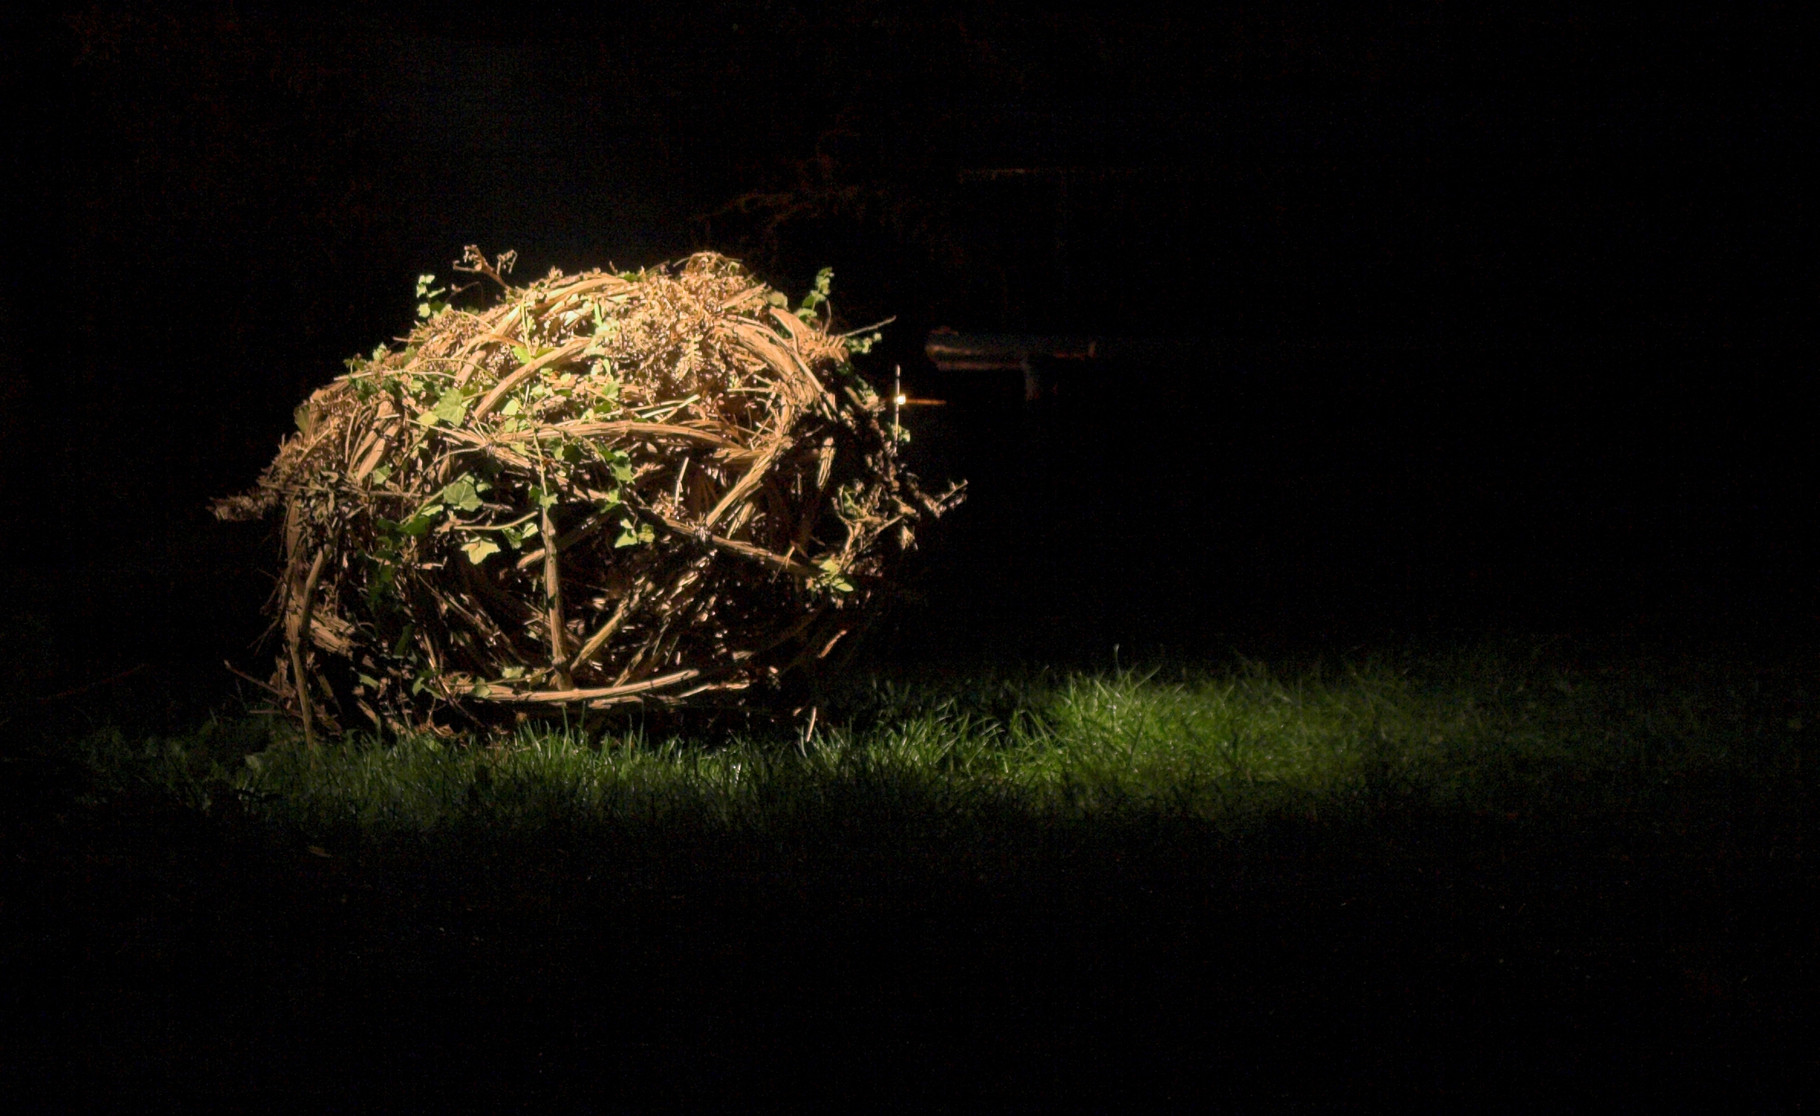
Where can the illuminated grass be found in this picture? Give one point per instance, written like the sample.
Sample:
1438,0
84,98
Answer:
1219,749
1510,874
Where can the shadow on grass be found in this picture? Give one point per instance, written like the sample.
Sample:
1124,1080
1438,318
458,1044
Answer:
1445,881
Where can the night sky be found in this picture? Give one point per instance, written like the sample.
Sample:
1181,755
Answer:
1457,323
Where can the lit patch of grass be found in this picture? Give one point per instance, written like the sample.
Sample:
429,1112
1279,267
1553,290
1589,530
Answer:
1485,735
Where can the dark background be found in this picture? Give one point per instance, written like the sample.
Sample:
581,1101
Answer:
1492,323
1462,326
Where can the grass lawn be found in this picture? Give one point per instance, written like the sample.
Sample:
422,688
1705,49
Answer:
1484,879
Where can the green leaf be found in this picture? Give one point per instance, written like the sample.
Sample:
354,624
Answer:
511,408
512,672
478,550
453,406
632,532
523,354
832,577
383,575
420,523
462,494
777,299
381,474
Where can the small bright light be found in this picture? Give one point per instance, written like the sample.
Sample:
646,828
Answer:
901,400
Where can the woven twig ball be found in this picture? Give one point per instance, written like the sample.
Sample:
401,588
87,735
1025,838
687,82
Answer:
661,487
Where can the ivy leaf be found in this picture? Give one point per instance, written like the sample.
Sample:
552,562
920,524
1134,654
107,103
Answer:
453,406
632,532
462,494
824,280
525,355
381,584
516,535
832,576
421,522
478,550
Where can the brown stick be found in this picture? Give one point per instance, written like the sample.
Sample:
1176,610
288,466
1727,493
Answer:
86,687
627,426
599,639
744,549
552,697
568,539
753,477
296,641
266,686
524,372
552,588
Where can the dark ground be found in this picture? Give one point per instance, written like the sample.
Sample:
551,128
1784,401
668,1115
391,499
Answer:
156,960
1504,328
